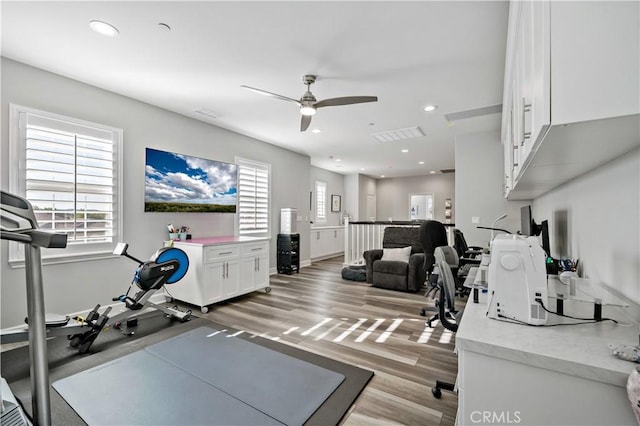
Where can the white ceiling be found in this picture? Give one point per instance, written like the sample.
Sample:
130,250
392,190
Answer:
409,54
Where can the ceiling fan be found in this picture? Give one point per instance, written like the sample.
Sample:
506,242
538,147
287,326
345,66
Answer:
308,103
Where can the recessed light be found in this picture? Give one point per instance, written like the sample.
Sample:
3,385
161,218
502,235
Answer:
103,28
405,150
430,108
316,131
362,169
337,159
420,162
433,172
164,27
381,175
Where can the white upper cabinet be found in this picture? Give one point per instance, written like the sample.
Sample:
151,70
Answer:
571,91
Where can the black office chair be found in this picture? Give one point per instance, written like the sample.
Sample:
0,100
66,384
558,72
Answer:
432,234
468,256
450,258
446,303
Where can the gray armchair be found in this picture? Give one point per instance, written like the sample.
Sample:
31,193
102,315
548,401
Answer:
397,275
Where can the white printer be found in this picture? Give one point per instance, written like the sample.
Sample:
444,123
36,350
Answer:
517,277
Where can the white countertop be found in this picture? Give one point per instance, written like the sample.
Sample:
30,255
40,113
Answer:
579,350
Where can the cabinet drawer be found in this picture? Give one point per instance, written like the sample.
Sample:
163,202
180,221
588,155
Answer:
216,253
255,248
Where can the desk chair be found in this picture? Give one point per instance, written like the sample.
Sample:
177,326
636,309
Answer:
446,304
448,255
432,234
468,256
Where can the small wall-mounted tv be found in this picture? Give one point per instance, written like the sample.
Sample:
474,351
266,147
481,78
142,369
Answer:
181,183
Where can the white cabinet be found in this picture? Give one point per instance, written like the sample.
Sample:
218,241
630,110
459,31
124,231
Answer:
570,95
222,268
254,267
326,241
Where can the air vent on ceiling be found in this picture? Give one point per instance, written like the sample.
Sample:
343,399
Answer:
399,134
471,113
447,170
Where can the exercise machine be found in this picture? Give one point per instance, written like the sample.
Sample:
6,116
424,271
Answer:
18,223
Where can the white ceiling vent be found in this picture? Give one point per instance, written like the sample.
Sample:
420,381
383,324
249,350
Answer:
471,113
399,134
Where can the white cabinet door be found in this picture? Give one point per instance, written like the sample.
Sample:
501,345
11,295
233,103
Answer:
247,273
213,278
231,278
261,277
594,60
315,243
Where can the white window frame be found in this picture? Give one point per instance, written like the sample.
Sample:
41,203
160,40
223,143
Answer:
321,201
244,163
17,185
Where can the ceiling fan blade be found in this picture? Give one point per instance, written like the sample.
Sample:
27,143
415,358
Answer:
347,100
304,123
273,95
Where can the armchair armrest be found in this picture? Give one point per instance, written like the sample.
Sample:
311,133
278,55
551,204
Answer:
371,256
416,275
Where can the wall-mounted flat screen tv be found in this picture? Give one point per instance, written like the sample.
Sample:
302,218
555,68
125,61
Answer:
181,183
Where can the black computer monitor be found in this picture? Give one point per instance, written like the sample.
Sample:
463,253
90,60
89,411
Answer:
544,226
528,226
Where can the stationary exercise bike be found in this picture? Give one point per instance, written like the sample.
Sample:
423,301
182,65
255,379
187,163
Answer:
18,223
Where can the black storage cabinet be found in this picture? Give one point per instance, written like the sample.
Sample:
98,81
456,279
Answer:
288,253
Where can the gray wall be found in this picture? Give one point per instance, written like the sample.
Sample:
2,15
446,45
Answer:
351,195
596,218
393,195
78,286
366,186
335,186
479,171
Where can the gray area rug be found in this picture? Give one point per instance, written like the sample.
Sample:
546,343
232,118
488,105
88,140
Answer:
155,328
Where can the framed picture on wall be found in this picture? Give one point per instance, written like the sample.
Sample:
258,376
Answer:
335,203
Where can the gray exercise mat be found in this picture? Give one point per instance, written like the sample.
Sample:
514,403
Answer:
142,389
285,388
200,377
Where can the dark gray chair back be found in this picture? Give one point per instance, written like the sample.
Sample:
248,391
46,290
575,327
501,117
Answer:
402,236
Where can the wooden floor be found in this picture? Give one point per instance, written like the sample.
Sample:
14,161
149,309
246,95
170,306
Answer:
380,330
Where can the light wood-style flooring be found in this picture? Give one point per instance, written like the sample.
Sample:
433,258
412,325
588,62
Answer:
376,329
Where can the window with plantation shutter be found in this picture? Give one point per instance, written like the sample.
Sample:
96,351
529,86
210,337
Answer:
69,170
253,197
321,201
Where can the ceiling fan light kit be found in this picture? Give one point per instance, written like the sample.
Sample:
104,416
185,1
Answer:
308,103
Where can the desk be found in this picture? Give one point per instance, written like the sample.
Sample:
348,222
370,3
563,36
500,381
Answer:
516,374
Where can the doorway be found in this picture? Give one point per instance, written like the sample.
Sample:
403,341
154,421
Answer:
420,206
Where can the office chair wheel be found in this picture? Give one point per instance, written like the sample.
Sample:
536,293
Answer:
437,393
423,312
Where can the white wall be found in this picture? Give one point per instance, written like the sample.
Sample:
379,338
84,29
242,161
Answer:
393,195
335,186
602,210
479,170
77,286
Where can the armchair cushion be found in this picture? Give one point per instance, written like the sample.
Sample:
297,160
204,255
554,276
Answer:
396,254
